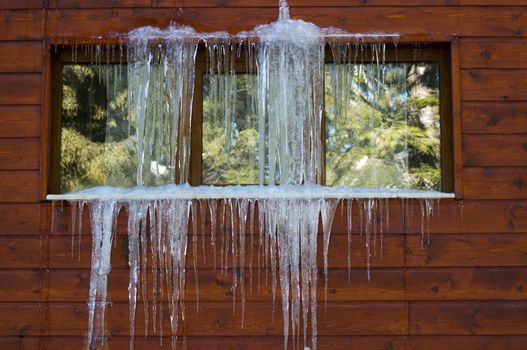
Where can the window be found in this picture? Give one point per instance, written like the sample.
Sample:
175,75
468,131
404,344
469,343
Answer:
385,125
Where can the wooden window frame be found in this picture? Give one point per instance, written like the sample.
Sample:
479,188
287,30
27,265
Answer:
441,53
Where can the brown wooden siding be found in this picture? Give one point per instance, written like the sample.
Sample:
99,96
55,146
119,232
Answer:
467,290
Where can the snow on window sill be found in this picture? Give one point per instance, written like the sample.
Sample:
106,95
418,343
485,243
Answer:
249,192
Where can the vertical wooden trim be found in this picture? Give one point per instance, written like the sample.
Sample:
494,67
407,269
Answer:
45,117
447,144
196,140
54,127
456,119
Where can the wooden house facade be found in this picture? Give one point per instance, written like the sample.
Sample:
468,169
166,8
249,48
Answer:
466,290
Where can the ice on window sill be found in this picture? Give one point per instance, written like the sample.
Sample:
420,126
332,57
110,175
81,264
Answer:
251,192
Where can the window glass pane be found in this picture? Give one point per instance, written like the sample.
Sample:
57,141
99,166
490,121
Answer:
229,144
382,125
97,145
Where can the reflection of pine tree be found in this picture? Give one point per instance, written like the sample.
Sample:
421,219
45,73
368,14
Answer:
230,159
386,132
96,148
383,131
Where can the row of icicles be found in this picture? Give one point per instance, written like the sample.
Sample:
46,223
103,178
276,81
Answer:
279,235
288,59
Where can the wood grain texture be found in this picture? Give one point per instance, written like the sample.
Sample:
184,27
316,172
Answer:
19,319
407,21
493,85
21,219
98,4
20,4
20,24
230,343
467,250
472,342
19,186
466,284
495,183
61,257
497,53
21,154
494,118
20,121
21,57
450,216
464,291
217,319
20,89
495,150
21,285
215,286
468,318
469,216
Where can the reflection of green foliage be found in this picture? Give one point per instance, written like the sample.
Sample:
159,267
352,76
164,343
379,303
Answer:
95,146
230,159
86,164
385,136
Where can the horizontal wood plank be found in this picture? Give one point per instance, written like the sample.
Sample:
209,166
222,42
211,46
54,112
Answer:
494,118
472,342
449,216
467,250
20,319
468,216
20,286
485,53
19,186
386,285
20,219
19,154
296,3
468,318
20,4
21,57
493,85
20,121
466,283
21,24
495,183
62,257
407,21
495,150
98,4
215,319
240,342
20,89
21,253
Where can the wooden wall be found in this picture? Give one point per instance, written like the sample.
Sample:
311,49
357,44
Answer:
466,290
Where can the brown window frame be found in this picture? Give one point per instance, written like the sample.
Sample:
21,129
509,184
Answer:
440,53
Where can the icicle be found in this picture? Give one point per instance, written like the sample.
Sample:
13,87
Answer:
202,217
134,222
328,209
290,65
103,214
284,10
213,208
160,94
194,211
242,217
349,216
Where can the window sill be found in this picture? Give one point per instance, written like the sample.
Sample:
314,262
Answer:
244,192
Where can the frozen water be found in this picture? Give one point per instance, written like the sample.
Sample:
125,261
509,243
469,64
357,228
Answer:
289,59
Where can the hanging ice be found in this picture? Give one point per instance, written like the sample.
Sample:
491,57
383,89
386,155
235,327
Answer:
161,70
289,57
